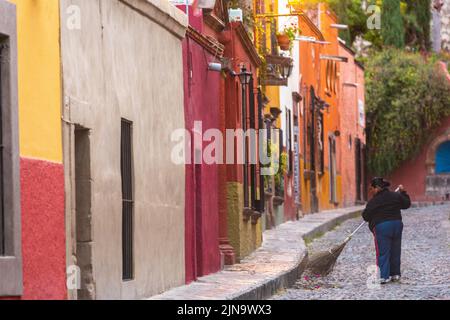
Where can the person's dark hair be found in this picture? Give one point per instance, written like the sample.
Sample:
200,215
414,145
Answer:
379,182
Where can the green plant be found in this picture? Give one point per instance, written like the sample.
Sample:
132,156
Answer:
273,149
351,13
291,31
392,27
417,20
407,97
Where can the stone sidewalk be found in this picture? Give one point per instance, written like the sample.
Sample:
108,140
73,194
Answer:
276,265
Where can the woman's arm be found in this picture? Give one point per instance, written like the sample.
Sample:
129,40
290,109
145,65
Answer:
405,200
367,213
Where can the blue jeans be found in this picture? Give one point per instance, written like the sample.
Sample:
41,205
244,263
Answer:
388,243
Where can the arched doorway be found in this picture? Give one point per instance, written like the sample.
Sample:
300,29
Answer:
438,168
442,158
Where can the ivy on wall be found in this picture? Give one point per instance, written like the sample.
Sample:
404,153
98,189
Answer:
407,97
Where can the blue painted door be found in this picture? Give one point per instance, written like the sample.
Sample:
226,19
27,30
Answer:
443,158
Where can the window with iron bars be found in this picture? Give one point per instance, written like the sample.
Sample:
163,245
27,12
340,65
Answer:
126,164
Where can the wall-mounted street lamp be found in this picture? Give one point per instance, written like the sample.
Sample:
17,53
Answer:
245,76
286,70
214,66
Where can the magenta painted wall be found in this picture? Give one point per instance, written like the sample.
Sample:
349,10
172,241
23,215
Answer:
412,174
202,98
43,230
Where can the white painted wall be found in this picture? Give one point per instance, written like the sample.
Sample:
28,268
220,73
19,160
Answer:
127,63
294,81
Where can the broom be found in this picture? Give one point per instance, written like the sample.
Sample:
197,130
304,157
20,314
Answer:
322,263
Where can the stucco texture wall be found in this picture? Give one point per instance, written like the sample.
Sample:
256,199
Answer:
290,208
245,237
413,173
352,90
126,62
43,240
202,94
39,74
331,117
41,170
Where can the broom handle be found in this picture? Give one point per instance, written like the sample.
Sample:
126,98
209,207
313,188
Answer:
354,232
357,229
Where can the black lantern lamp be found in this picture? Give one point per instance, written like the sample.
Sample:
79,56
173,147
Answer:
286,70
245,76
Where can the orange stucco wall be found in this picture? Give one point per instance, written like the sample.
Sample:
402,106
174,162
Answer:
314,74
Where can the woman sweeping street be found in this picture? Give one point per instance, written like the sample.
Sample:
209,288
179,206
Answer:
383,212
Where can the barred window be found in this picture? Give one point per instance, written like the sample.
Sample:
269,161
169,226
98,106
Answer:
126,163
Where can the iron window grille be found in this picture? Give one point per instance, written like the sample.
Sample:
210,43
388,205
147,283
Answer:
126,163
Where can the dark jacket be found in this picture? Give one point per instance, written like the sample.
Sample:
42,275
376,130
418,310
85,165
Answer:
386,206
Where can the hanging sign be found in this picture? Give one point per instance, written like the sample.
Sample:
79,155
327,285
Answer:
361,111
181,2
201,4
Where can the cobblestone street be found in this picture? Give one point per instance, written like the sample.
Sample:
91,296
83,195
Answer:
425,262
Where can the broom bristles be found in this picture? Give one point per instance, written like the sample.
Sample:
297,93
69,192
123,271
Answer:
322,263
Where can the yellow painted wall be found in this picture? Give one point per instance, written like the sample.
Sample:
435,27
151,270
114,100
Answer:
39,79
273,94
245,237
323,190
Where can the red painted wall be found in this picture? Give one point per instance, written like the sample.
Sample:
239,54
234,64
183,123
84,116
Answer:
412,174
43,230
236,51
202,98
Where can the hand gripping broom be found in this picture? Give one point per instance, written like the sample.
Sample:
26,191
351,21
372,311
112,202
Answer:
322,263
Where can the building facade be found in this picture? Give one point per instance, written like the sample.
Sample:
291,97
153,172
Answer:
290,100
125,199
203,97
242,112
320,115
353,139
32,232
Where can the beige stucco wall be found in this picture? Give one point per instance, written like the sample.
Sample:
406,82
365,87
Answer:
126,62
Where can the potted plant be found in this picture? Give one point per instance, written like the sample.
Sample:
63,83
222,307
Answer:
287,36
283,41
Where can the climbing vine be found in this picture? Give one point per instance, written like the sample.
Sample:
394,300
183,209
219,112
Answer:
407,97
